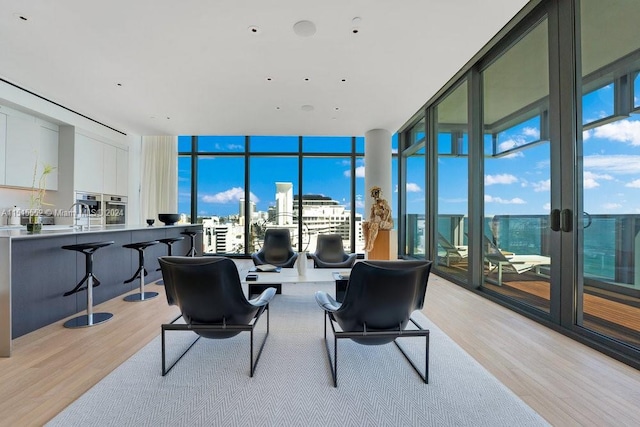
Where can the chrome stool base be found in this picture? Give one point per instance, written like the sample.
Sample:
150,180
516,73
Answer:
85,320
140,296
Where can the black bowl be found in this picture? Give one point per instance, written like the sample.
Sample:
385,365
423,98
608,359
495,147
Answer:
150,222
169,219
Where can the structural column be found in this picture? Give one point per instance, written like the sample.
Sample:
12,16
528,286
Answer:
377,172
377,165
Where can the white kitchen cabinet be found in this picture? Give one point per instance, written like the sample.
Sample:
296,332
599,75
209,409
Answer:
3,146
100,167
21,150
88,164
122,175
29,140
48,154
110,160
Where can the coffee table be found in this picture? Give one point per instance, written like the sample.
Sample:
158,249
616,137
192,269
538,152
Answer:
290,275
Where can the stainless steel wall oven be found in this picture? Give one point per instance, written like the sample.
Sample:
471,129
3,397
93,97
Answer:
115,210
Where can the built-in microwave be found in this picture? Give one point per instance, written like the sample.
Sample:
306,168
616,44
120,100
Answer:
115,209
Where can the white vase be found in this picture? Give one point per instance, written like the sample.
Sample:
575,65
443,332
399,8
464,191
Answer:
301,263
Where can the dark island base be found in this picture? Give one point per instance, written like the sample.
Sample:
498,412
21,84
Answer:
42,272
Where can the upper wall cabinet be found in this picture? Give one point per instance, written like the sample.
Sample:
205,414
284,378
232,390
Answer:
88,164
122,172
30,144
100,167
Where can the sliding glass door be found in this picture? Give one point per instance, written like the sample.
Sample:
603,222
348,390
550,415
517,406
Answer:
517,176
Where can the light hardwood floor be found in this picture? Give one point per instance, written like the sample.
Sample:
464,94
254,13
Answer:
566,382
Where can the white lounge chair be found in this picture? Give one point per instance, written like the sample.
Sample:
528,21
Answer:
500,260
448,252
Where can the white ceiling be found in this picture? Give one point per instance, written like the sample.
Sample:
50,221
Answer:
194,67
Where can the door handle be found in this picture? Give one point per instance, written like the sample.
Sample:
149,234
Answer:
554,219
566,220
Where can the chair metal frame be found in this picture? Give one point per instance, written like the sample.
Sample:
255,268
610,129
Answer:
333,364
172,326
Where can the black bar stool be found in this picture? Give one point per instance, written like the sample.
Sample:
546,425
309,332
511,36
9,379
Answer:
167,241
192,234
90,318
141,272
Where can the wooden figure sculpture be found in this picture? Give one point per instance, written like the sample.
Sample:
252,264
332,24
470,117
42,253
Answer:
379,219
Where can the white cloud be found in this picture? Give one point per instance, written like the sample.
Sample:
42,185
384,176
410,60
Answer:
613,164
360,172
610,206
633,184
590,179
534,132
541,186
232,195
546,206
504,178
514,201
413,187
627,131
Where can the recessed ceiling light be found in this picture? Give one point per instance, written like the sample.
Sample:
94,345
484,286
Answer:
304,28
307,107
253,29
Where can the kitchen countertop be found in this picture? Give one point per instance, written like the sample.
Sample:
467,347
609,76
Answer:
20,232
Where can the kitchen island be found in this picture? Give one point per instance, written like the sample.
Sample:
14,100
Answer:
35,271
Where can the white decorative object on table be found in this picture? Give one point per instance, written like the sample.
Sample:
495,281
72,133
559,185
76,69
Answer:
301,263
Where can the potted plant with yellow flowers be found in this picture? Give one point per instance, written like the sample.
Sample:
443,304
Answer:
36,198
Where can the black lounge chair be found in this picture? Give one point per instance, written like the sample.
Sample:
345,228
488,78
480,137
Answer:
377,307
276,249
209,294
330,253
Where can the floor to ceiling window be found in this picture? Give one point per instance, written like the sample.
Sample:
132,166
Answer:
415,190
451,132
326,202
239,186
609,293
517,171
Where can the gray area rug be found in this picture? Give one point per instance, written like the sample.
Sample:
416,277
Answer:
292,384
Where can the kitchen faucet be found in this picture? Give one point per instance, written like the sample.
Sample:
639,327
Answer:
83,208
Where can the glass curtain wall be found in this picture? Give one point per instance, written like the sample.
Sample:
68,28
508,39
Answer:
556,130
451,131
609,295
239,186
517,175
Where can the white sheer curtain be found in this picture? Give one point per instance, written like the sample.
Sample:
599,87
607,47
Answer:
159,182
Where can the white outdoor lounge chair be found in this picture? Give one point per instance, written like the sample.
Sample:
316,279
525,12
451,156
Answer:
448,252
497,259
